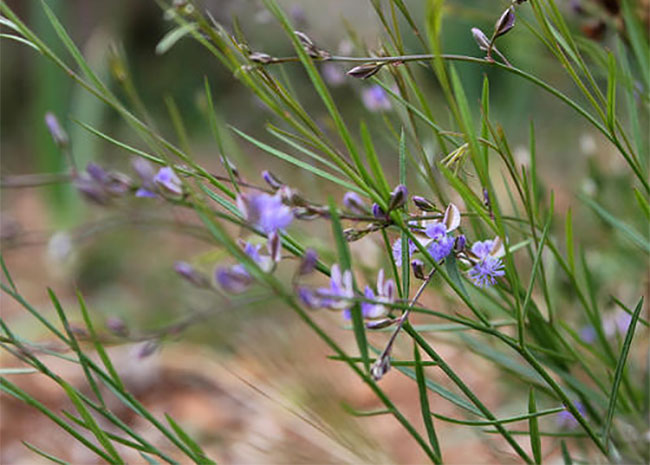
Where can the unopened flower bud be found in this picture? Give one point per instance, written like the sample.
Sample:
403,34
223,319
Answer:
418,268
147,349
56,131
191,274
91,189
308,262
354,203
380,367
505,22
459,244
233,280
481,39
118,184
397,197
379,324
274,246
365,70
272,180
96,172
117,326
423,204
377,211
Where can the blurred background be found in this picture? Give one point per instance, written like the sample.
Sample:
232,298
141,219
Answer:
252,384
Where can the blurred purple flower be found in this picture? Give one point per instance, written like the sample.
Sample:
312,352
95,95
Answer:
167,180
56,131
397,250
333,74
146,173
386,291
565,419
375,98
354,203
264,211
487,264
336,297
236,279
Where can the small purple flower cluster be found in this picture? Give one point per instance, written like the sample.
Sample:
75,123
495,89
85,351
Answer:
340,295
436,237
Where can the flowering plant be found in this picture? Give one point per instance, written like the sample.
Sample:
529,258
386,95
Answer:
479,252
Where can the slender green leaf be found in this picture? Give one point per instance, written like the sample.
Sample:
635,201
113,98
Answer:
618,225
611,92
533,427
618,374
183,436
44,454
566,457
424,401
299,163
499,421
173,36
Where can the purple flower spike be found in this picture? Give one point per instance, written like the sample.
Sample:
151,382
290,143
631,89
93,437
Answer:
145,193
375,98
167,180
264,211
487,264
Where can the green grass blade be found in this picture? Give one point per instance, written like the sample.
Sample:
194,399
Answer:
618,374
566,457
618,225
424,402
44,454
611,92
183,436
499,421
299,163
172,37
97,344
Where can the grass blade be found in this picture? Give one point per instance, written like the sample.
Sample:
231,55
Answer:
618,374
424,402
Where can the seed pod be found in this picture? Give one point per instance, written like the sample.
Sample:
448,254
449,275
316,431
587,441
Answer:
418,268
259,57
379,324
380,367
504,23
311,48
365,70
397,197
423,204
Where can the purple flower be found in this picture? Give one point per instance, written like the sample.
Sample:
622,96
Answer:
333,74
264,211
336,297
167,180
397,250
565,419
386,291
442,243
375,98
146,173
56,131
588,334
236,279
487,264
617,323
353,202
191,274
